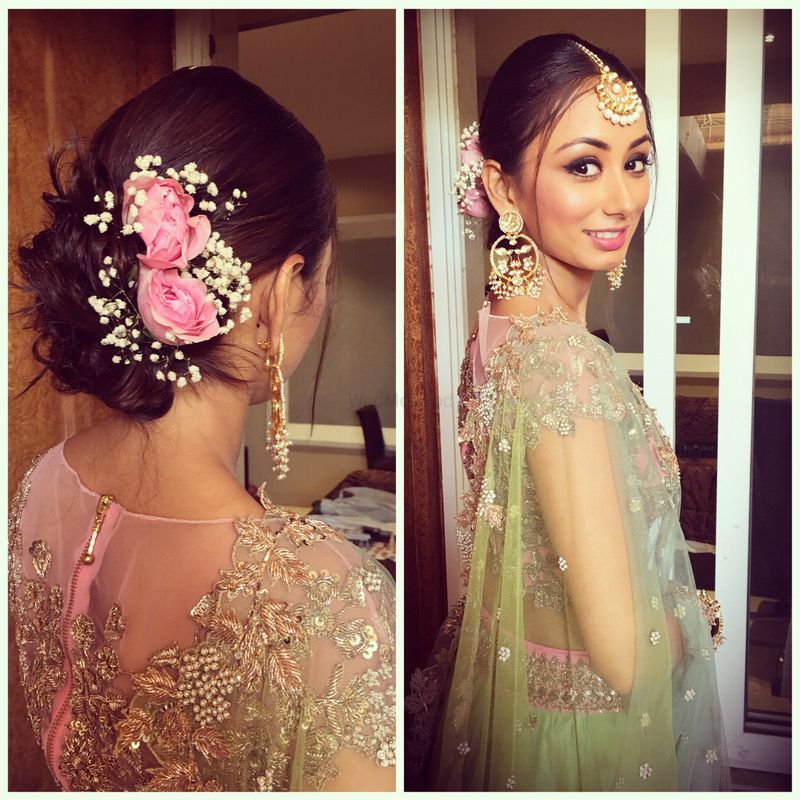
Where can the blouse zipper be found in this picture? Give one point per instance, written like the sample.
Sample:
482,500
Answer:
86,559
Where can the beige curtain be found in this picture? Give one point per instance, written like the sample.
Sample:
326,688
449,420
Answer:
68,70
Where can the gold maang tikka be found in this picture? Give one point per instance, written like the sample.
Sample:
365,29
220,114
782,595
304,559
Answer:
618,100
516,264
277,437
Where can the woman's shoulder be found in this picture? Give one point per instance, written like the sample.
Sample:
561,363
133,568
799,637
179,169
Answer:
312,541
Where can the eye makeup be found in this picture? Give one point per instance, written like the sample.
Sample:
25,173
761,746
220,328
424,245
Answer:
590,166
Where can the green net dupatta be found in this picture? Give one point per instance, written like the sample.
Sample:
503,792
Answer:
579,657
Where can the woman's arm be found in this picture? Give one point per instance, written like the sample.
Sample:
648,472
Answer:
575,484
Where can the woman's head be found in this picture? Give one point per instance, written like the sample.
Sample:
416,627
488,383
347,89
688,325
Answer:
241,139
579,181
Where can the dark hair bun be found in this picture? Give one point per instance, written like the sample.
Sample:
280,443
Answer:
236,134
61,266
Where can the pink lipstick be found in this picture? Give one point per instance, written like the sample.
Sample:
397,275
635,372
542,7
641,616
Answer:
608,238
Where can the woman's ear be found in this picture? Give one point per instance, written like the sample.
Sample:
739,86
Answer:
275,300
498,186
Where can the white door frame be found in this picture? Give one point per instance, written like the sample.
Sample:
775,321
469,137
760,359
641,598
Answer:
440,123
662,76
740,220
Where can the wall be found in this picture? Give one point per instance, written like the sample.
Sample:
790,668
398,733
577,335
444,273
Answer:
363,323
364,185
63,78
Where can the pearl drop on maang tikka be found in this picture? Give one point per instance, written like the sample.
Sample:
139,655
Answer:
618,101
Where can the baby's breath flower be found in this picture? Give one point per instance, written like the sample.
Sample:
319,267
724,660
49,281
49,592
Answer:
221,271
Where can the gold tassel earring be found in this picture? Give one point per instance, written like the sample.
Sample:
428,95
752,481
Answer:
615,275
277,437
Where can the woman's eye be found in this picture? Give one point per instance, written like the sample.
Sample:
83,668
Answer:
585,168
639,163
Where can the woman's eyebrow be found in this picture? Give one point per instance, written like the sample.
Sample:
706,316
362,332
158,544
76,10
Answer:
601,144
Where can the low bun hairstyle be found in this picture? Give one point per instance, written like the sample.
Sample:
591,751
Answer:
241,138
531,91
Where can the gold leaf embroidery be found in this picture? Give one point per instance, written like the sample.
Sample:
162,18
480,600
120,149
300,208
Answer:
157,683
334,682
283,669
175,776
226,626
42,557
210,743
301,531
166,657
278,622
137,723
251,663
254,536
242,580
174,730
203,609
285,566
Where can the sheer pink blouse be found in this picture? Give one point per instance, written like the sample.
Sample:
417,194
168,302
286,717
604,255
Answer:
173,655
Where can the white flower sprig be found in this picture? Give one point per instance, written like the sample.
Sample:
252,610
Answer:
226,276
223,273
468,186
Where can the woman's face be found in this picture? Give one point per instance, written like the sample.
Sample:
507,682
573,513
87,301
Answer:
592,187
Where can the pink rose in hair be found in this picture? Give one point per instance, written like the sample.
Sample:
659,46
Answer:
172,237
471,150
169,302
476,204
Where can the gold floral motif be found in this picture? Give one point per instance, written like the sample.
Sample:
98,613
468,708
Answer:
556,684
226,712
36,607
41,556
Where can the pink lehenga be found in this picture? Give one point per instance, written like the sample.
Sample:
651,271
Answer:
574,491
175,655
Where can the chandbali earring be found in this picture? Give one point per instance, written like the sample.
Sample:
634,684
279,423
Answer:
615,275
277,437
516,262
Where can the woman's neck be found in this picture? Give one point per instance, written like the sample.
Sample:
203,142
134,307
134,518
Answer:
567,286
198,439
203,427
562,285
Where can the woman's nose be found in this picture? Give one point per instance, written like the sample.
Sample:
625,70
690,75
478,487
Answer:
619,200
